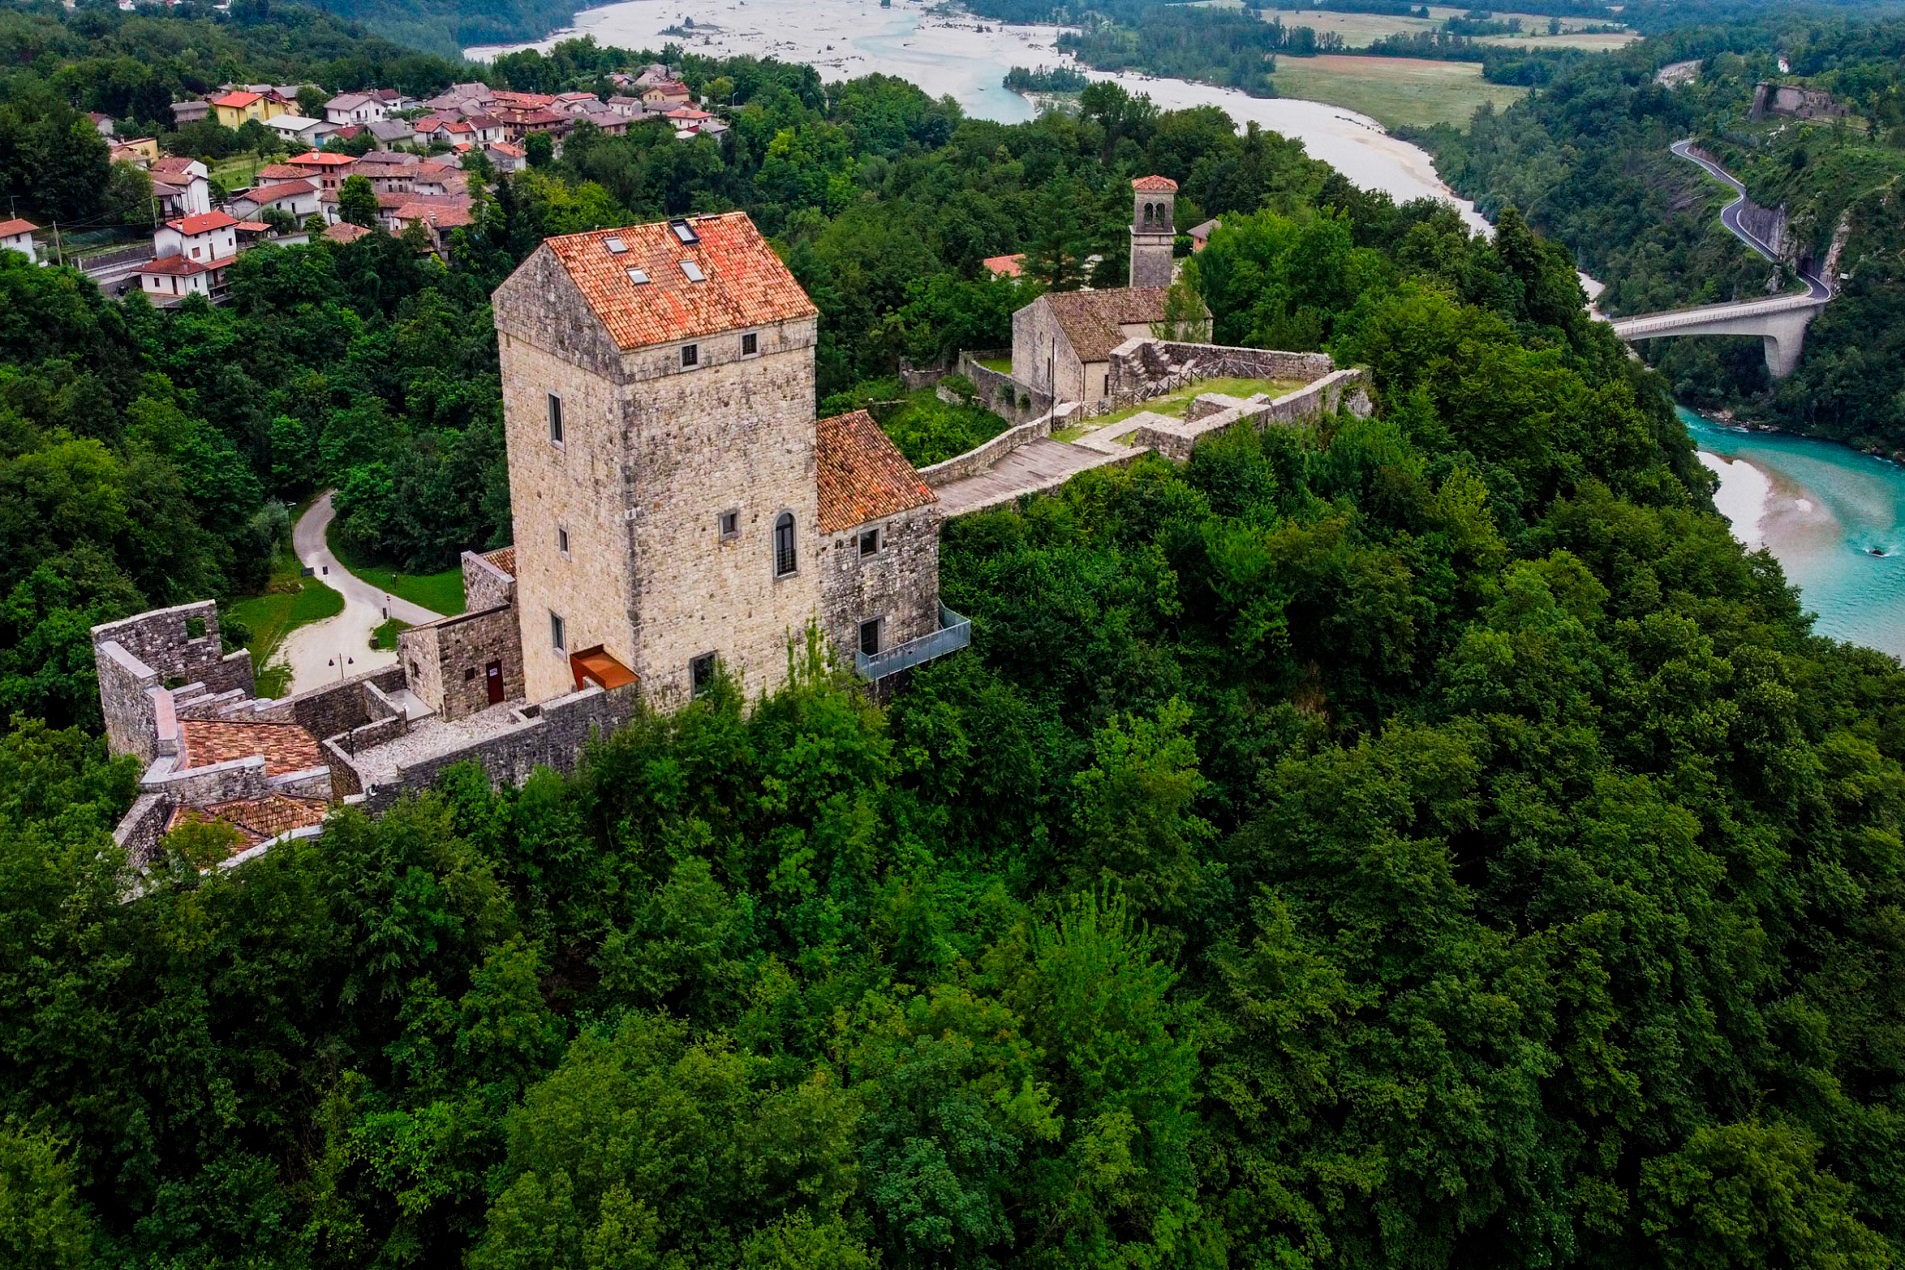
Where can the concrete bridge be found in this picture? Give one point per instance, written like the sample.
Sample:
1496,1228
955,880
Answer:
1780,321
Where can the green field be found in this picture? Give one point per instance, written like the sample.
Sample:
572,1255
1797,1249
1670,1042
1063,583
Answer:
1175,403
289,601
1394,91
438,592
1361,29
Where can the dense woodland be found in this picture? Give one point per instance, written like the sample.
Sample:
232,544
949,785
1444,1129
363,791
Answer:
1422,841
1589,158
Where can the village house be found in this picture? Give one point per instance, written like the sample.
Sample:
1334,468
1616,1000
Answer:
349,108
1062,342
205,238
1200,233
678,510
296,197
101,123
139,151
17,235
233,109
324,167
182,186
665,95
505,157
385,133
343,232
189,112
297,130
167,280
1012,266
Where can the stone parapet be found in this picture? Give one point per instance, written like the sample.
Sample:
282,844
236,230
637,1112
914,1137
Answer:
1343,389
1001,393
987,453
140,829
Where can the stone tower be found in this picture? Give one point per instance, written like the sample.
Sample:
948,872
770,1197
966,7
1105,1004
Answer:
658,398
1153,232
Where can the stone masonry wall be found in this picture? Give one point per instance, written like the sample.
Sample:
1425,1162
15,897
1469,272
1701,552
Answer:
451,658
158,648
1339,389
484,585
732,434
1136,363
333,708
899,583
1035,334
140,829
555,737
1001,392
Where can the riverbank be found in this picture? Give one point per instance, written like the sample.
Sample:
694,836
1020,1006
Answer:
1834,519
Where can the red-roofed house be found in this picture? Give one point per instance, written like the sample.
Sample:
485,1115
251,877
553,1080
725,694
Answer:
234,108
1005,266
678,507
17,235
204,238
169,279
327,168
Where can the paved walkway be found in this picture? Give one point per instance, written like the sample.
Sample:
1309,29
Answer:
1033,468
337,647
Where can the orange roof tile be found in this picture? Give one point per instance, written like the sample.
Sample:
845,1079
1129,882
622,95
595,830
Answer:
322,159
236,99
862,474
1154,185
1005,266
256,819
745,282
8,228
203,223
286,747
503,558
344,232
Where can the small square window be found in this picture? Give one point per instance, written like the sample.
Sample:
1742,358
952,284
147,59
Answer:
869,542
690,354
701,674
730,525
558,635
555,419
469,674
750,344
870,637
562,541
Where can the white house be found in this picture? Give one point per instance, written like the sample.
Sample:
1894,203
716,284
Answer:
182,186
207,238
298,130
170,279
349,108
17,235
300,198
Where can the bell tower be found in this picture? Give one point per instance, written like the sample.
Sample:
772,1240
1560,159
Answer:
1153,232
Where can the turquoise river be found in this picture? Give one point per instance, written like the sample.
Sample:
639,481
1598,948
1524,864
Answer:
1823,510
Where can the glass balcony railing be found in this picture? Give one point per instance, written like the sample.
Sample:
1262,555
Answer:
954,633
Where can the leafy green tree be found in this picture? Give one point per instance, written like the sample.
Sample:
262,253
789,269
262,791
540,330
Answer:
357,202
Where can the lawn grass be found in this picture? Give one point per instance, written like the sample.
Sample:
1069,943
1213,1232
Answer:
1395,91
1001,364
289,601
240,171
438,592
385,636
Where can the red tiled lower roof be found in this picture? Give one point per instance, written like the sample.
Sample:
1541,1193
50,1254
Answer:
503,558
286,747
862,476
256,819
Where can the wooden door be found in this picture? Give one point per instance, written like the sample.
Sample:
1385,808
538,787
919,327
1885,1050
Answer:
493,676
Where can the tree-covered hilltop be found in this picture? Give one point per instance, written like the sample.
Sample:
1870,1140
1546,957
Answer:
1425,840
1589,158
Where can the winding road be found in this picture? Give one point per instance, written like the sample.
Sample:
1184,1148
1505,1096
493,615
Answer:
326,651
1730,216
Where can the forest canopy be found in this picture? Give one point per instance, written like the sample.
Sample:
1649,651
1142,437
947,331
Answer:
1418,840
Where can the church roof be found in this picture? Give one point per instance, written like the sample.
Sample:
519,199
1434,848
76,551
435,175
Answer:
1154,185
1093,321
862,476
677,280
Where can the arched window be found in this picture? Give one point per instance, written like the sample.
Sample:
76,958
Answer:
784,559
1147,213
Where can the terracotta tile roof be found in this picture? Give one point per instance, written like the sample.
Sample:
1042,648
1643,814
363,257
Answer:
1091,320
322,159
275,172
253,226
256,818
862,474
286,747
521,101
1005,266
1154,185
237,100
176,164
745,282
441,217
344,232
8,228
286,189
503,558
203,223
179,265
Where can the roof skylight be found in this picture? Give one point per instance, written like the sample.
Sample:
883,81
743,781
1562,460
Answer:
684,232
638,277
693,271
615,245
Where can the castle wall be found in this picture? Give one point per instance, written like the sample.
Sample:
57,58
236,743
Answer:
899,583
484,585
1001,392
447,662
158,650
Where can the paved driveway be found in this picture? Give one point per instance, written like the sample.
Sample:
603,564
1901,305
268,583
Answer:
327,651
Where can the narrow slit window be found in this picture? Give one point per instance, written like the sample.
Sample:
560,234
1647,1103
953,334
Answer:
558,633
555,419
785,560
